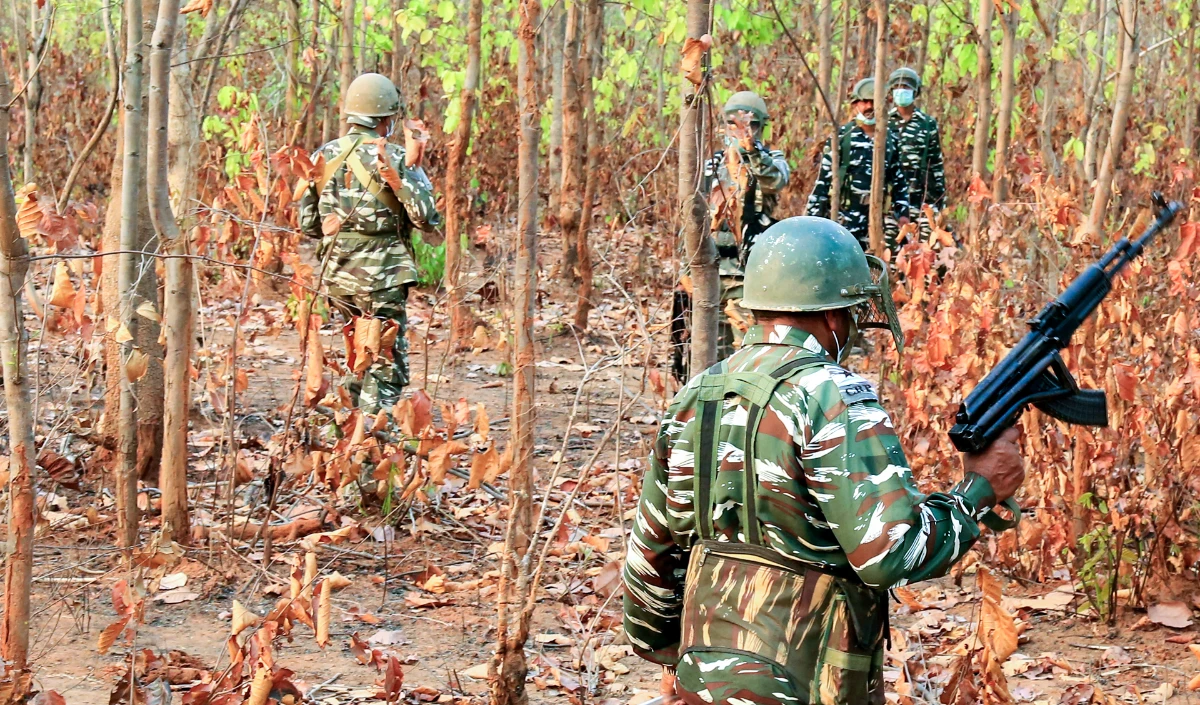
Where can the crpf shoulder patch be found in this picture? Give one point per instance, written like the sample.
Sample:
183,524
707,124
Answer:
852,387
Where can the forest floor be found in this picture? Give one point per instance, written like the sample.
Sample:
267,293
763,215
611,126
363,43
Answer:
427,590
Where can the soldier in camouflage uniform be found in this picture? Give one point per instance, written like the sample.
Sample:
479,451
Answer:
377,193
856,157
920,146
742,183
758,570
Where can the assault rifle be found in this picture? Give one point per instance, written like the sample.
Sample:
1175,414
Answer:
1033,372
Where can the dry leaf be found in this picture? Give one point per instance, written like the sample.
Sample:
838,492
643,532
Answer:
260,689
202,6
440,459
310,575
146,310
483,465
997,626
30,212
242,619
331,225
337,581
693,53
324,613
123,335
136,365
480,340
63,293
108,637
314,380
174,597
1176,615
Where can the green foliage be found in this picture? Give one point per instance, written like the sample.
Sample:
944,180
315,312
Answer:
431,261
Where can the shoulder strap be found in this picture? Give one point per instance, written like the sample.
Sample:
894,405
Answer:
346,146
757,388
368,180
844,155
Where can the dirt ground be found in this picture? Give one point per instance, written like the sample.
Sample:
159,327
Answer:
576,650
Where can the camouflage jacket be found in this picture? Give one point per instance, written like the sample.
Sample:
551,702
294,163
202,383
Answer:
834,490
856,162
771,175
372,248
921,156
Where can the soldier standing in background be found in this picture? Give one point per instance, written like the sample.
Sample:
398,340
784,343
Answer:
856,157
374,193
742,183
779,508
920,146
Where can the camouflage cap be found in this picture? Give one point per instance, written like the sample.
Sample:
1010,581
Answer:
907,76
748,101
809,264
369,97
863,90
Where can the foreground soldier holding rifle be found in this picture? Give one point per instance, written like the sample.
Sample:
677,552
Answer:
779,508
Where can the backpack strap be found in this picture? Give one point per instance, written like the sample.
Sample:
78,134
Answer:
367,178
346,146
757,388
844,153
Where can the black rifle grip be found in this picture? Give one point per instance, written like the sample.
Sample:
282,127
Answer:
1086,407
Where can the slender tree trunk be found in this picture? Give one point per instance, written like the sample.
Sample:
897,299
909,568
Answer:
314,119
1050,95
110,47
878,164
572,157
291,9
127,274
1008,86
397,52
347,70
173,471
1190,105
923,53
1127,32
18,565
864,63
557,27
1093,100
836,98
38,15
456,231
589,64
700,248
983,90
825,47
509,668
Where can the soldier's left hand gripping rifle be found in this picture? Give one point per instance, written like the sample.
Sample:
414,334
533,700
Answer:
1034,372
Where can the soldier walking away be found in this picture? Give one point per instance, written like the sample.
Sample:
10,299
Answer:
856,158
920,146
779,508
742,183
375,193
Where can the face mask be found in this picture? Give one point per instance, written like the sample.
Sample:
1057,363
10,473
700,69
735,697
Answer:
903,97
391,127
864,120
843,351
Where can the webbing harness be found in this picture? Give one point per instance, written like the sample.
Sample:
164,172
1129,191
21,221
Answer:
348,154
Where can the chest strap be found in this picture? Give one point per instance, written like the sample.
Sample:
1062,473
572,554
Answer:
348,155
757,388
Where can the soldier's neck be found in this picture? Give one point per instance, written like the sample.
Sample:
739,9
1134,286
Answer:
906,112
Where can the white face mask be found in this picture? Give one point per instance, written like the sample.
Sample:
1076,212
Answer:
864,120
903,97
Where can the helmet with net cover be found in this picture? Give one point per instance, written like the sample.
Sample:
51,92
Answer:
907,76
863,90
370,97
809,264
748,101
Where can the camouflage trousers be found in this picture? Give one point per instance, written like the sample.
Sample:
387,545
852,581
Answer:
757,632
382,384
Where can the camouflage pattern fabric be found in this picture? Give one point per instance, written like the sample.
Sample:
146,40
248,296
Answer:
771,174
370,267
855,208
920,146
840,521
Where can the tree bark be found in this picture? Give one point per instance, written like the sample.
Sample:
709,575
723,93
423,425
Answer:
110,48
1190,104
33,79
863,58
509,667
18,566
346,74
1008,84
127,276
593,29
836,99
923,53
1093,101
1127,28
701,251
983,89
557,27
291,9
878,164
572,161
1050,95
456,230
825,46
172,477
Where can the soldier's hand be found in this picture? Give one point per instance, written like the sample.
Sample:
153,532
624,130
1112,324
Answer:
1000,464
416,136
739,129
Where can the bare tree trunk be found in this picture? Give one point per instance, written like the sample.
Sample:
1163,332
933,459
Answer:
1190,104
825,46
701,251
508,667
556,24
127,275
347,70
1093,99
983,89
1127,28
172,477
18,565
291,66
878,164
110,47
835,98
572,158
923,53
863,58
1008,84
397,53
1050,95
38,14
460,318
589,63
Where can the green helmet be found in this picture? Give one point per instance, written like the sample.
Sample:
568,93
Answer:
748,101
905,75
863,90
814,264
371,96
